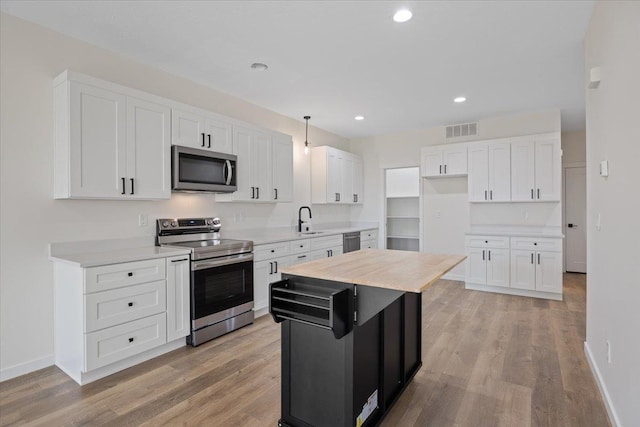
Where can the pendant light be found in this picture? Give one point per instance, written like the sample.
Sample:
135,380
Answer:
306,135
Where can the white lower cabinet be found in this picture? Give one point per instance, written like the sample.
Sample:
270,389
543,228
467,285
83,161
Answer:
525,265
369,239
264,273
110,317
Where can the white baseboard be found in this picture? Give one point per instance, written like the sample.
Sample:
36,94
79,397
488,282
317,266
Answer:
26,367
513,291
611,411
454,276
260,312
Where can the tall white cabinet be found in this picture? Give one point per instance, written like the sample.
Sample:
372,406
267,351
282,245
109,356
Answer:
536,170
109,143
336,176
489,172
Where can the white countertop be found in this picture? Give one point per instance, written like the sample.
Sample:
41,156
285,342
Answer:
546,232
283,234
92,253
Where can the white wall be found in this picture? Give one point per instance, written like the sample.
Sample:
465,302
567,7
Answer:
31,56
613,252
574,147
447,213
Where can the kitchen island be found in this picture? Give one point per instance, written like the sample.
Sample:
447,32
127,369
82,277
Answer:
351,333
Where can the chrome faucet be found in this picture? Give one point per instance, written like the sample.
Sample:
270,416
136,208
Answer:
300,221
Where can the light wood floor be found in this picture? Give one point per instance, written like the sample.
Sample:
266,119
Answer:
488,360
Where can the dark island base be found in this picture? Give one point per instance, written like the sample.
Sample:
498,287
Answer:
352,381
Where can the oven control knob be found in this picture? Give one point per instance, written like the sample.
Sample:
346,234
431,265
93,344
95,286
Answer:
174,223
209,221
216,221
165,224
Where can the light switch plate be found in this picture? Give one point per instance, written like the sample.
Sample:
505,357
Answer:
604,168
143,220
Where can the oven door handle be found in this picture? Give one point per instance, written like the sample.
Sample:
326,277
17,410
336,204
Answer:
218,262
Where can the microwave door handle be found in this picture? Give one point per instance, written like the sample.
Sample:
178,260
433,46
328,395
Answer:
229,173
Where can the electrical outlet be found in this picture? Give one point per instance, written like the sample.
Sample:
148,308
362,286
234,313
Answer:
608,351
143,220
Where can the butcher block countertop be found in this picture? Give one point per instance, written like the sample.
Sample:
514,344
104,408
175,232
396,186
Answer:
382,268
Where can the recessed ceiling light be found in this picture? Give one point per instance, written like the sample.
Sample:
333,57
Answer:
259,66
403,15
359,117
459,99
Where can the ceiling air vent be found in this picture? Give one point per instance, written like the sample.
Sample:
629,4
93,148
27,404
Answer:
462,130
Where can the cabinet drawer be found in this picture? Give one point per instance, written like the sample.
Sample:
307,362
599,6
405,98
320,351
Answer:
369,244
369,235
119,342
300,246
326,242
496,242
537,244
125,274
116,306
299,258
272,250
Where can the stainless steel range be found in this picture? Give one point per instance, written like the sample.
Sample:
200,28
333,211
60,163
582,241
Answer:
221,275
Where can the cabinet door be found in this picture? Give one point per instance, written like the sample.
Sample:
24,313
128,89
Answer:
97,142
187,129
498,267
549,272
476,266
478,174
523,270
334,176
358,180
282,169
455,161
148,150
261,165
522,171
264,273
218,135
431,162
242,148
346,193
548,169
500,172
178,297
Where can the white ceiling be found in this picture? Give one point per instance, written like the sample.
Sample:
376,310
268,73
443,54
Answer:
333,60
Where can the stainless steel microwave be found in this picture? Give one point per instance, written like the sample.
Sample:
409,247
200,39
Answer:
193,169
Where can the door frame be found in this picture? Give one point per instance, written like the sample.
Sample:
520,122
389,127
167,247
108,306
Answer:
566,166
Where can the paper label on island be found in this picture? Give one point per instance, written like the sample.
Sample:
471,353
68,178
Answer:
368,408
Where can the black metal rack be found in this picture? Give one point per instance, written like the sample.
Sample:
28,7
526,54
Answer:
319,306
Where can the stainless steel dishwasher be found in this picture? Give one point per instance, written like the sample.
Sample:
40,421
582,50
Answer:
350,242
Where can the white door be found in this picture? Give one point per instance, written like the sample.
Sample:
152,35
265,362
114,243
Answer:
476,266
478,174
575,216
148,161
548,169
500,172
522,171
218,136
98,143
549,272
262,274
334,176
455,161
523,270
498,267
178,297
432,162
187,129
358,181
261,161
282,169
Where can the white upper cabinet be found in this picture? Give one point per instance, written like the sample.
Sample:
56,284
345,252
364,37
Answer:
204,131
264,171
148,153
489,173
282,168
108,144
336,176
535,175
442,161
